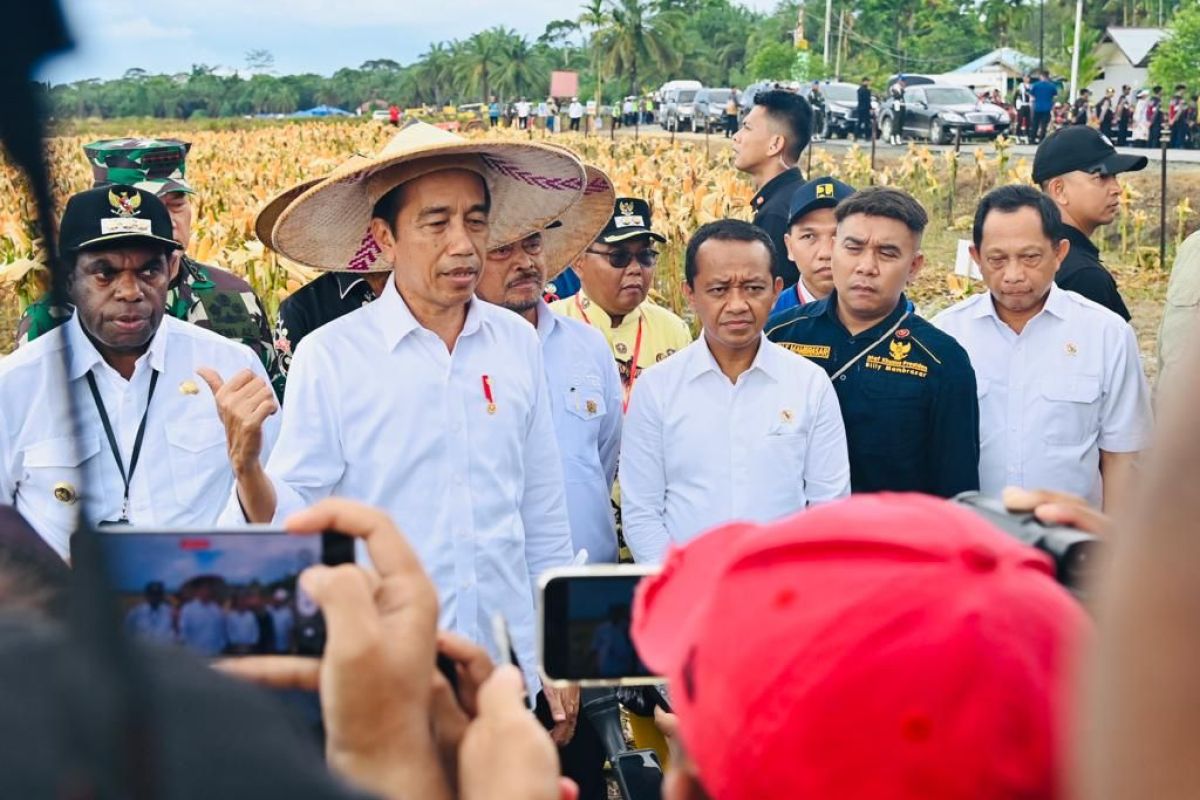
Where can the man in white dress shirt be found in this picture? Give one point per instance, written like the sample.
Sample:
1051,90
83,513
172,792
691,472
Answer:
585,399
152,619
147,447
733,427
585,387
202,622
1063,401
427,403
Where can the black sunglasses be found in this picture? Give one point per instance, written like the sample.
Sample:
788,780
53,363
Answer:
621,259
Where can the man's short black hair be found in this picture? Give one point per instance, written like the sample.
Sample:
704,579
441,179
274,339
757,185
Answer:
884,201
1157,90
794,113
725,230
1009,199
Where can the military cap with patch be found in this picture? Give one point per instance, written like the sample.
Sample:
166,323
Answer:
630,219
1084,149
114,216
156,165
817,193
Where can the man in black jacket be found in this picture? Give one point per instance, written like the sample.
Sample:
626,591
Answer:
866,120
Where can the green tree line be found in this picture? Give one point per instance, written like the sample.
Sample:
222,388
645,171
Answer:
620,47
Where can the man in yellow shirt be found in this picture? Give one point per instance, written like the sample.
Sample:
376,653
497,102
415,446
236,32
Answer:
616,272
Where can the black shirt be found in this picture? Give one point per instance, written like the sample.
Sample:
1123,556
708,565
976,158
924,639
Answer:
1081,272
332,295
771,206
864,99
909,404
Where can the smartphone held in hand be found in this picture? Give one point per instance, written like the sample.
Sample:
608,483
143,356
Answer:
584,626
223,592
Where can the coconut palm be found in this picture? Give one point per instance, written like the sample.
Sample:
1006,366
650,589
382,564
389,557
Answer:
595,16
433,72
523,70
637,37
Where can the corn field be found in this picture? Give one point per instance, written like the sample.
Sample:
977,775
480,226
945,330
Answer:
236,171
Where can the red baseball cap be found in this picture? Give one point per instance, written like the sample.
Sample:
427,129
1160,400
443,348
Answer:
884,646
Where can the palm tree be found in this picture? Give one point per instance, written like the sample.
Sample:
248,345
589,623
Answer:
523,68
433,72
639,37
479,59
595,16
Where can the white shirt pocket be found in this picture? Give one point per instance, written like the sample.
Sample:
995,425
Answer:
199,460
1069,409
51,486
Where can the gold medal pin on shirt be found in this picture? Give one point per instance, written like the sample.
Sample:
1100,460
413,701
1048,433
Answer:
487,395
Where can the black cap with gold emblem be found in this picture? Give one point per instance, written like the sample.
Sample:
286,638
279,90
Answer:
630,219
114,215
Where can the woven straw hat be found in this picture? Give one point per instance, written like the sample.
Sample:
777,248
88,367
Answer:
264,223
580,224
328,225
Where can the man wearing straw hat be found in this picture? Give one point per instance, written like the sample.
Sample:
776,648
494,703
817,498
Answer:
332,294
585,395
426,403
616,271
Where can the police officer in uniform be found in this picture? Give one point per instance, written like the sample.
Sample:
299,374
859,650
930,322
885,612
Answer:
907,390
1078,167
204,295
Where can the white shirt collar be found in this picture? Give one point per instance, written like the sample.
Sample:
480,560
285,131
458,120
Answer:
85,356
701,360
1057,304
546,320
396,319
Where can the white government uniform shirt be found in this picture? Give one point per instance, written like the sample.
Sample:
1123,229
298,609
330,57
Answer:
699,451
585,396
183,477
379,411
1070,385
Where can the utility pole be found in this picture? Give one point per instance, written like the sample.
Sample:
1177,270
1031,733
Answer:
837,71
1075,49
1042,36
828,22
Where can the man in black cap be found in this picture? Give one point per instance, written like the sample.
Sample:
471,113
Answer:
767,148
809,241
132,371
1077,167
201,294
617,271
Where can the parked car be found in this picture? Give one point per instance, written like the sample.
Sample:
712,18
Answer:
678,109
938,111
841,109
746,100
381,115
709,108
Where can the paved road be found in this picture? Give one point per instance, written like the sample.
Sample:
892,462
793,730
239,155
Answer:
1186,159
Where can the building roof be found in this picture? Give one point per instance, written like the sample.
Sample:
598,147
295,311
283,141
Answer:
1136,44
1013,60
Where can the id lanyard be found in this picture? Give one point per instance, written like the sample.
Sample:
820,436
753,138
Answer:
126,477
633,365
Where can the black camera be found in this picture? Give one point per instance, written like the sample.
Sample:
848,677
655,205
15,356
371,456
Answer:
1072,551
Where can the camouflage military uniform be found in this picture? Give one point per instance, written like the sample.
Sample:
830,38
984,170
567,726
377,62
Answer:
204,295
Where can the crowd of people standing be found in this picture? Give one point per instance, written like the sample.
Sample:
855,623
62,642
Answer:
441,371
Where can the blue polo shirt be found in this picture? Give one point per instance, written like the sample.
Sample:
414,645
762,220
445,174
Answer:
1044,93
909,404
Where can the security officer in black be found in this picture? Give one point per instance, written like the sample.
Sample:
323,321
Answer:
1077,167
907,390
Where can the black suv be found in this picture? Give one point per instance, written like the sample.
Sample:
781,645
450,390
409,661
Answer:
937,111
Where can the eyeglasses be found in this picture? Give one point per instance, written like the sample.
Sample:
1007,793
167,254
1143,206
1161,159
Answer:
621,259
532,245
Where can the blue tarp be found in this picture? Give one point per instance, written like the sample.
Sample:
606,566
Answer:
323,111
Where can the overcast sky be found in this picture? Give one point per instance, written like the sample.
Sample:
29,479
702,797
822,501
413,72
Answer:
304,35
